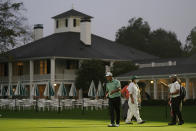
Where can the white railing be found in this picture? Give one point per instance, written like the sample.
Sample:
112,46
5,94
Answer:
38,77
145,65
68,75
153,64
20,78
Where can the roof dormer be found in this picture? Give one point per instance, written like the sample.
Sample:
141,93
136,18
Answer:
69,21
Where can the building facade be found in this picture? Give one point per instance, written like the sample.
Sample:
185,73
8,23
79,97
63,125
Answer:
57,57
153,72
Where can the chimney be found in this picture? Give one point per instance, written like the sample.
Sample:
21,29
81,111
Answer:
85,31
38,31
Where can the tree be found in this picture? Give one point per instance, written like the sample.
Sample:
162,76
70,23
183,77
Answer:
90,70
123,67
135,35
160,42
12,25
164,44
190,46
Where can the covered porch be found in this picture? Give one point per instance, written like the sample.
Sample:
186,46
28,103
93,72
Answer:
151,77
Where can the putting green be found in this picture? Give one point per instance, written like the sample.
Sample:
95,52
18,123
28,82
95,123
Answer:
91,121
84,125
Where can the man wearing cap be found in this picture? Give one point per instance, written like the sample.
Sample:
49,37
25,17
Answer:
125,106
113,88
133,102
175,100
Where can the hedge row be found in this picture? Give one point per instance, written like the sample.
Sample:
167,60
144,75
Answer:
164,102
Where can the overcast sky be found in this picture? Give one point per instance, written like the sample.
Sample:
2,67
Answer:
178,16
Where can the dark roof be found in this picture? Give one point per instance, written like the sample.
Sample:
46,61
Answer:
72,12
68,44
153,71
191,59
179,60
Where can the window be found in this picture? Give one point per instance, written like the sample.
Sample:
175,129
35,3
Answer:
72,64
43,66
20,66
66,22
48,66
74,22
57,24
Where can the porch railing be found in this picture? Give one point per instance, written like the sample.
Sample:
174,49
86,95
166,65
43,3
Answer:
38,77
68,76
20,78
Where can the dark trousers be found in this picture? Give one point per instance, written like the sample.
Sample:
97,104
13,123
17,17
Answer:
175,106
125,108
114,106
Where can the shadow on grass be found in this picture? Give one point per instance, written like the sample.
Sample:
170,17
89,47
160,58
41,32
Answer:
71,127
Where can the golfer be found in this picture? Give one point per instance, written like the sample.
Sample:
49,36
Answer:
133,102
113,88
175,100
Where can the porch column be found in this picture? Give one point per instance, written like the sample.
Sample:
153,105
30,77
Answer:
52,73
155,89
10,72
80,91
31,77
52,69
187,89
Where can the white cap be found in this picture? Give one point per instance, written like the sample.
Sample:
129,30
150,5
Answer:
108,74
173,75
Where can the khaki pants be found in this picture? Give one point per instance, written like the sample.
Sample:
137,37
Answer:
133,111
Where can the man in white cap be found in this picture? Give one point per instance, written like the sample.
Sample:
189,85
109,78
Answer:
175,100
113,88
133,102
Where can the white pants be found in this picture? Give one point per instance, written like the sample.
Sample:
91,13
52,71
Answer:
133,111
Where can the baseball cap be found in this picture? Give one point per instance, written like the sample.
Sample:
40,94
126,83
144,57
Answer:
133,77
173,76
108,74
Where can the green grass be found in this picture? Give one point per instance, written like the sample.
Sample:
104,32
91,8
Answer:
76,120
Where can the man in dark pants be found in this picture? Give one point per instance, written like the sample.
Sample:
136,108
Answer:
175,100
113,88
